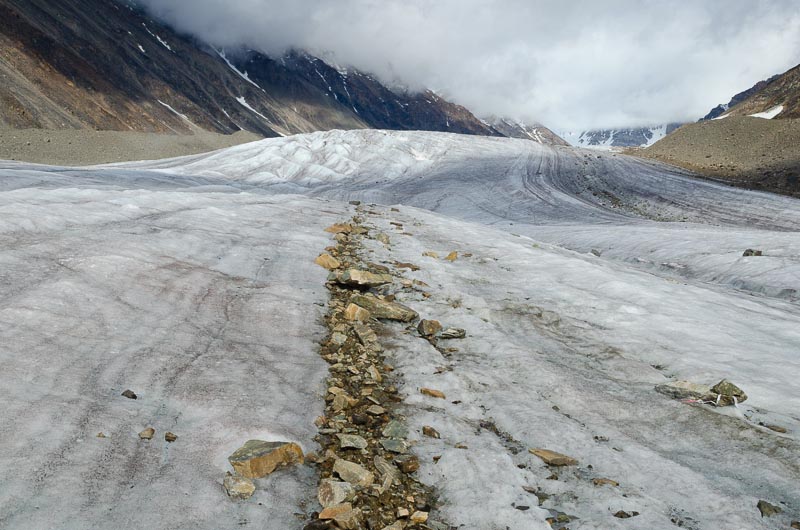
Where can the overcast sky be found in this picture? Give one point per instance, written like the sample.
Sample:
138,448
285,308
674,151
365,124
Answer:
570,64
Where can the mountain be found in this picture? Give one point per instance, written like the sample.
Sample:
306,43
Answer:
608,138
519,129
722,108
734,147
106,65
777,97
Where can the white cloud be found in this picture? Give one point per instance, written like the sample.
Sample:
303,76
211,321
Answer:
569,64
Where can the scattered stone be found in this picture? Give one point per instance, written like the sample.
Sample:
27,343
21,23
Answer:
351,441
130,394
328,262
385,309
170,437
147,434
452,256
403,265
340,228
359,278
257,458
461,445
393,445
318,524
353,473
596,252
430,254
383,238
355,203
395,429
795,524
345,516
453,333
551,458
432,393
355,313
333,492
238,487
767,509
605,482
428,328
101,435
403,513
430,432
750,253
776,428
407,463
625,515
725,393
683,389
376,410
419,517
522,508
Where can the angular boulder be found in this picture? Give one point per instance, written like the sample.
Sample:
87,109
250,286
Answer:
683,389
551,458
360,278
384,309
238,487
353,473
333,492
453,333
355,313
725,393
429,328
328,262
257,458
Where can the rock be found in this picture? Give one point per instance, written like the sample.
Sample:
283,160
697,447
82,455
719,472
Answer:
419,517
328,262
625,515
430,432
683,389
430,254
389,473
596,252
605,482
130,394
353,473
170,437
383,238
432,393
776,428
342,401
725,393
359,278
404,265
393,445
147,434
374,374
333,492
551,458
355,203
355,313
318,524
428,328
397,525
101,435
238,487
750,252
395,429
376,410
407,463
379,308
257,458
340,228
351,441
452,256
795,524
365,334
767,509
453,333
344,515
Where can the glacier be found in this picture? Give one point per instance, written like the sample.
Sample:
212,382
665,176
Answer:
584,280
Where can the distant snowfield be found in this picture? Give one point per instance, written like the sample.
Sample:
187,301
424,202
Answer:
192,282
769,114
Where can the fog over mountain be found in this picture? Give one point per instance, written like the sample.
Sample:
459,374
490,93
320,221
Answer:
573,65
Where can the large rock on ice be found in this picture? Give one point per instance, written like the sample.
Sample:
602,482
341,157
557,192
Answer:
257,458
725,393
380,308
359,278
683,389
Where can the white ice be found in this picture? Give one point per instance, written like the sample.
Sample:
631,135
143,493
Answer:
769,114
119,275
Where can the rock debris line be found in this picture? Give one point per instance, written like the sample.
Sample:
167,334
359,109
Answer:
366,470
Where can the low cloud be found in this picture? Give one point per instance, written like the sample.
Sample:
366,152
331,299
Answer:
568,64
